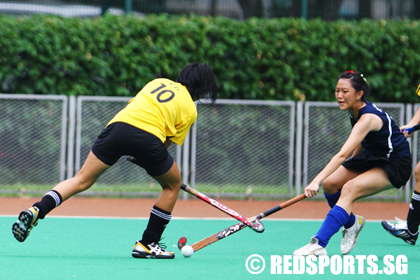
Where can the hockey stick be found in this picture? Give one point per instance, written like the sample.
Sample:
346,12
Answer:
412,129
256,225
235,228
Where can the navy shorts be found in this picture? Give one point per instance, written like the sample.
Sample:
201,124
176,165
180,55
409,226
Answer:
397,169
121,139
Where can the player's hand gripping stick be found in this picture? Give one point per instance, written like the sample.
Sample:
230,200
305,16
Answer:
412,129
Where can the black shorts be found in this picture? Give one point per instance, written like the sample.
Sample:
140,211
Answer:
120,139
397,169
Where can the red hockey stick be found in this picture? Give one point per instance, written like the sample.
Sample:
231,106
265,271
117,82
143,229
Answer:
256,225
235,228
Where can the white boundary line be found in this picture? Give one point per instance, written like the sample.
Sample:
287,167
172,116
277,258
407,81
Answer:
182,218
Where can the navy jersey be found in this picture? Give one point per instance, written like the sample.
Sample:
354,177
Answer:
389,141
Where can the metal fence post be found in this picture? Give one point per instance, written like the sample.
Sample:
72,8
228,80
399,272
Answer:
411,183
185,169
71,136
128,6
299,146
304,9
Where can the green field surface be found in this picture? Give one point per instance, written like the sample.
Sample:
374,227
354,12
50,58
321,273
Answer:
93,248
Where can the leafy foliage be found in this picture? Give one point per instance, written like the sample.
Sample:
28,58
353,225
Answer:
272,59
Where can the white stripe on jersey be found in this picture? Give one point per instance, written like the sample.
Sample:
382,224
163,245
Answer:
391,148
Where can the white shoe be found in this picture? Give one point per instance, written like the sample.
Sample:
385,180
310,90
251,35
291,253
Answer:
350,235
313,248
401,230
151,251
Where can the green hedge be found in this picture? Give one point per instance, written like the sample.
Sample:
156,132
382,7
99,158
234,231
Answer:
281,59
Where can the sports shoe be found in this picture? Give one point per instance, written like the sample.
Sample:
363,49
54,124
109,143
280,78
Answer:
400,230
350,235
151,251
26,221
313,248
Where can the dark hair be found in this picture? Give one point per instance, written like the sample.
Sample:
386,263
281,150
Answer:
357,82
199,79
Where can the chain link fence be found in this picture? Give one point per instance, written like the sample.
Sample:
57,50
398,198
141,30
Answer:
33,133
236,148
241,9
244,148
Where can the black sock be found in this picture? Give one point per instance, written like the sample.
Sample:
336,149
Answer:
413,217
51,200
157,222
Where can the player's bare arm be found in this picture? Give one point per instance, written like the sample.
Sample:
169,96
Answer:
367,123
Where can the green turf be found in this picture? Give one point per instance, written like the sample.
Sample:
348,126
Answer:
72,248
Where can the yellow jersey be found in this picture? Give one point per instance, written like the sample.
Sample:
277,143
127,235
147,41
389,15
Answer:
163,108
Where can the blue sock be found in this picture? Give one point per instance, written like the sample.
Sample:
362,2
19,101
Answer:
350,221
332,200
335,219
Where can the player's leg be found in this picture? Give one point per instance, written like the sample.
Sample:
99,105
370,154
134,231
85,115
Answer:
171,184
413,217
368,183
334,183
332,190
160,215
408,230
161,212
88,174
91,170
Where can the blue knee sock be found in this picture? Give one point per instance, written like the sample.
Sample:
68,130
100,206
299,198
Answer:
332,200
350,221
335,219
